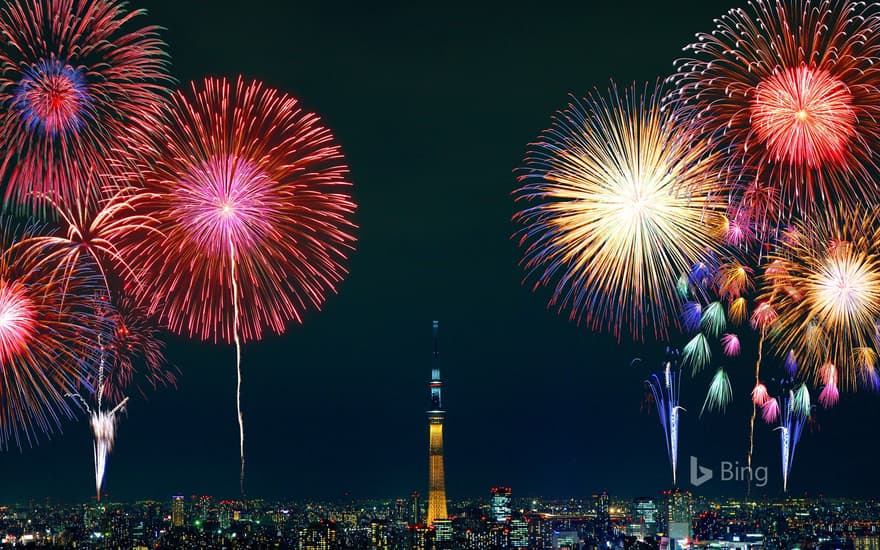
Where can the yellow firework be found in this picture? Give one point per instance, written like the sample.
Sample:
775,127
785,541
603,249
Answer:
620,202
825,287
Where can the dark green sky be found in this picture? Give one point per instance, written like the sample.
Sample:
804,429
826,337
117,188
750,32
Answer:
434,105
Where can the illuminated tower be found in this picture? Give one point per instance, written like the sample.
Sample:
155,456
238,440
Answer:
177,519
437,483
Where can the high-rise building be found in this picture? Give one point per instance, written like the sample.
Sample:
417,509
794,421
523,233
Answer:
442,532
680,513
645,513
177,516
540,531
399,508
519,534
436,480
603,516
321,535
379,535
500,504
415,516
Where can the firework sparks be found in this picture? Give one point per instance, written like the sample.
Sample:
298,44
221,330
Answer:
92,230
665,387
250,194
730,344
76,76
827,295
760,396
626,200
770,410
696,354
719,394
104,431
789,91
45,335
829,396
791,424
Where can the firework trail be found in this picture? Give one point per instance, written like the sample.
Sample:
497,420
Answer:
789,91
131,352
77,74
247,214
622,200
102,423
665,387
791,410
237,355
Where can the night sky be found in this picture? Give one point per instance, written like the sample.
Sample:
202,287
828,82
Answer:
433,106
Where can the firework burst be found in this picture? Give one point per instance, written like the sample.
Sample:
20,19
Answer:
247,213
48,340
826,291
76,75
789,91
93,227
624,200
136,351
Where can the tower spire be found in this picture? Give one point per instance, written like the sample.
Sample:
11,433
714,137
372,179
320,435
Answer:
436,479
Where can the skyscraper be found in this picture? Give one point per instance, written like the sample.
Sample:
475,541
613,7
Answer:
177,519
500,504
603,516
415,516
436,480
645,513
680,512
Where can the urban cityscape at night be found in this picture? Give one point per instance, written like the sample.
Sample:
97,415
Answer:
499,520
408,275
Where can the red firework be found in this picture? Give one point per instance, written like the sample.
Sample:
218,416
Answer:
135,353
47,342
246,209
76,75
92,230
791,92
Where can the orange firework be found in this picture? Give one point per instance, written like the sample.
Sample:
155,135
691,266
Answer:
825,288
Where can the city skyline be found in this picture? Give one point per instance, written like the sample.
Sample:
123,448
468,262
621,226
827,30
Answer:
493,522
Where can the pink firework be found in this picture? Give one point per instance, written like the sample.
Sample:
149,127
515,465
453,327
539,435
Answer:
238,177
790,91
823,120
770,410
760,396
76,75
730,344
247,214
830,395
17,320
